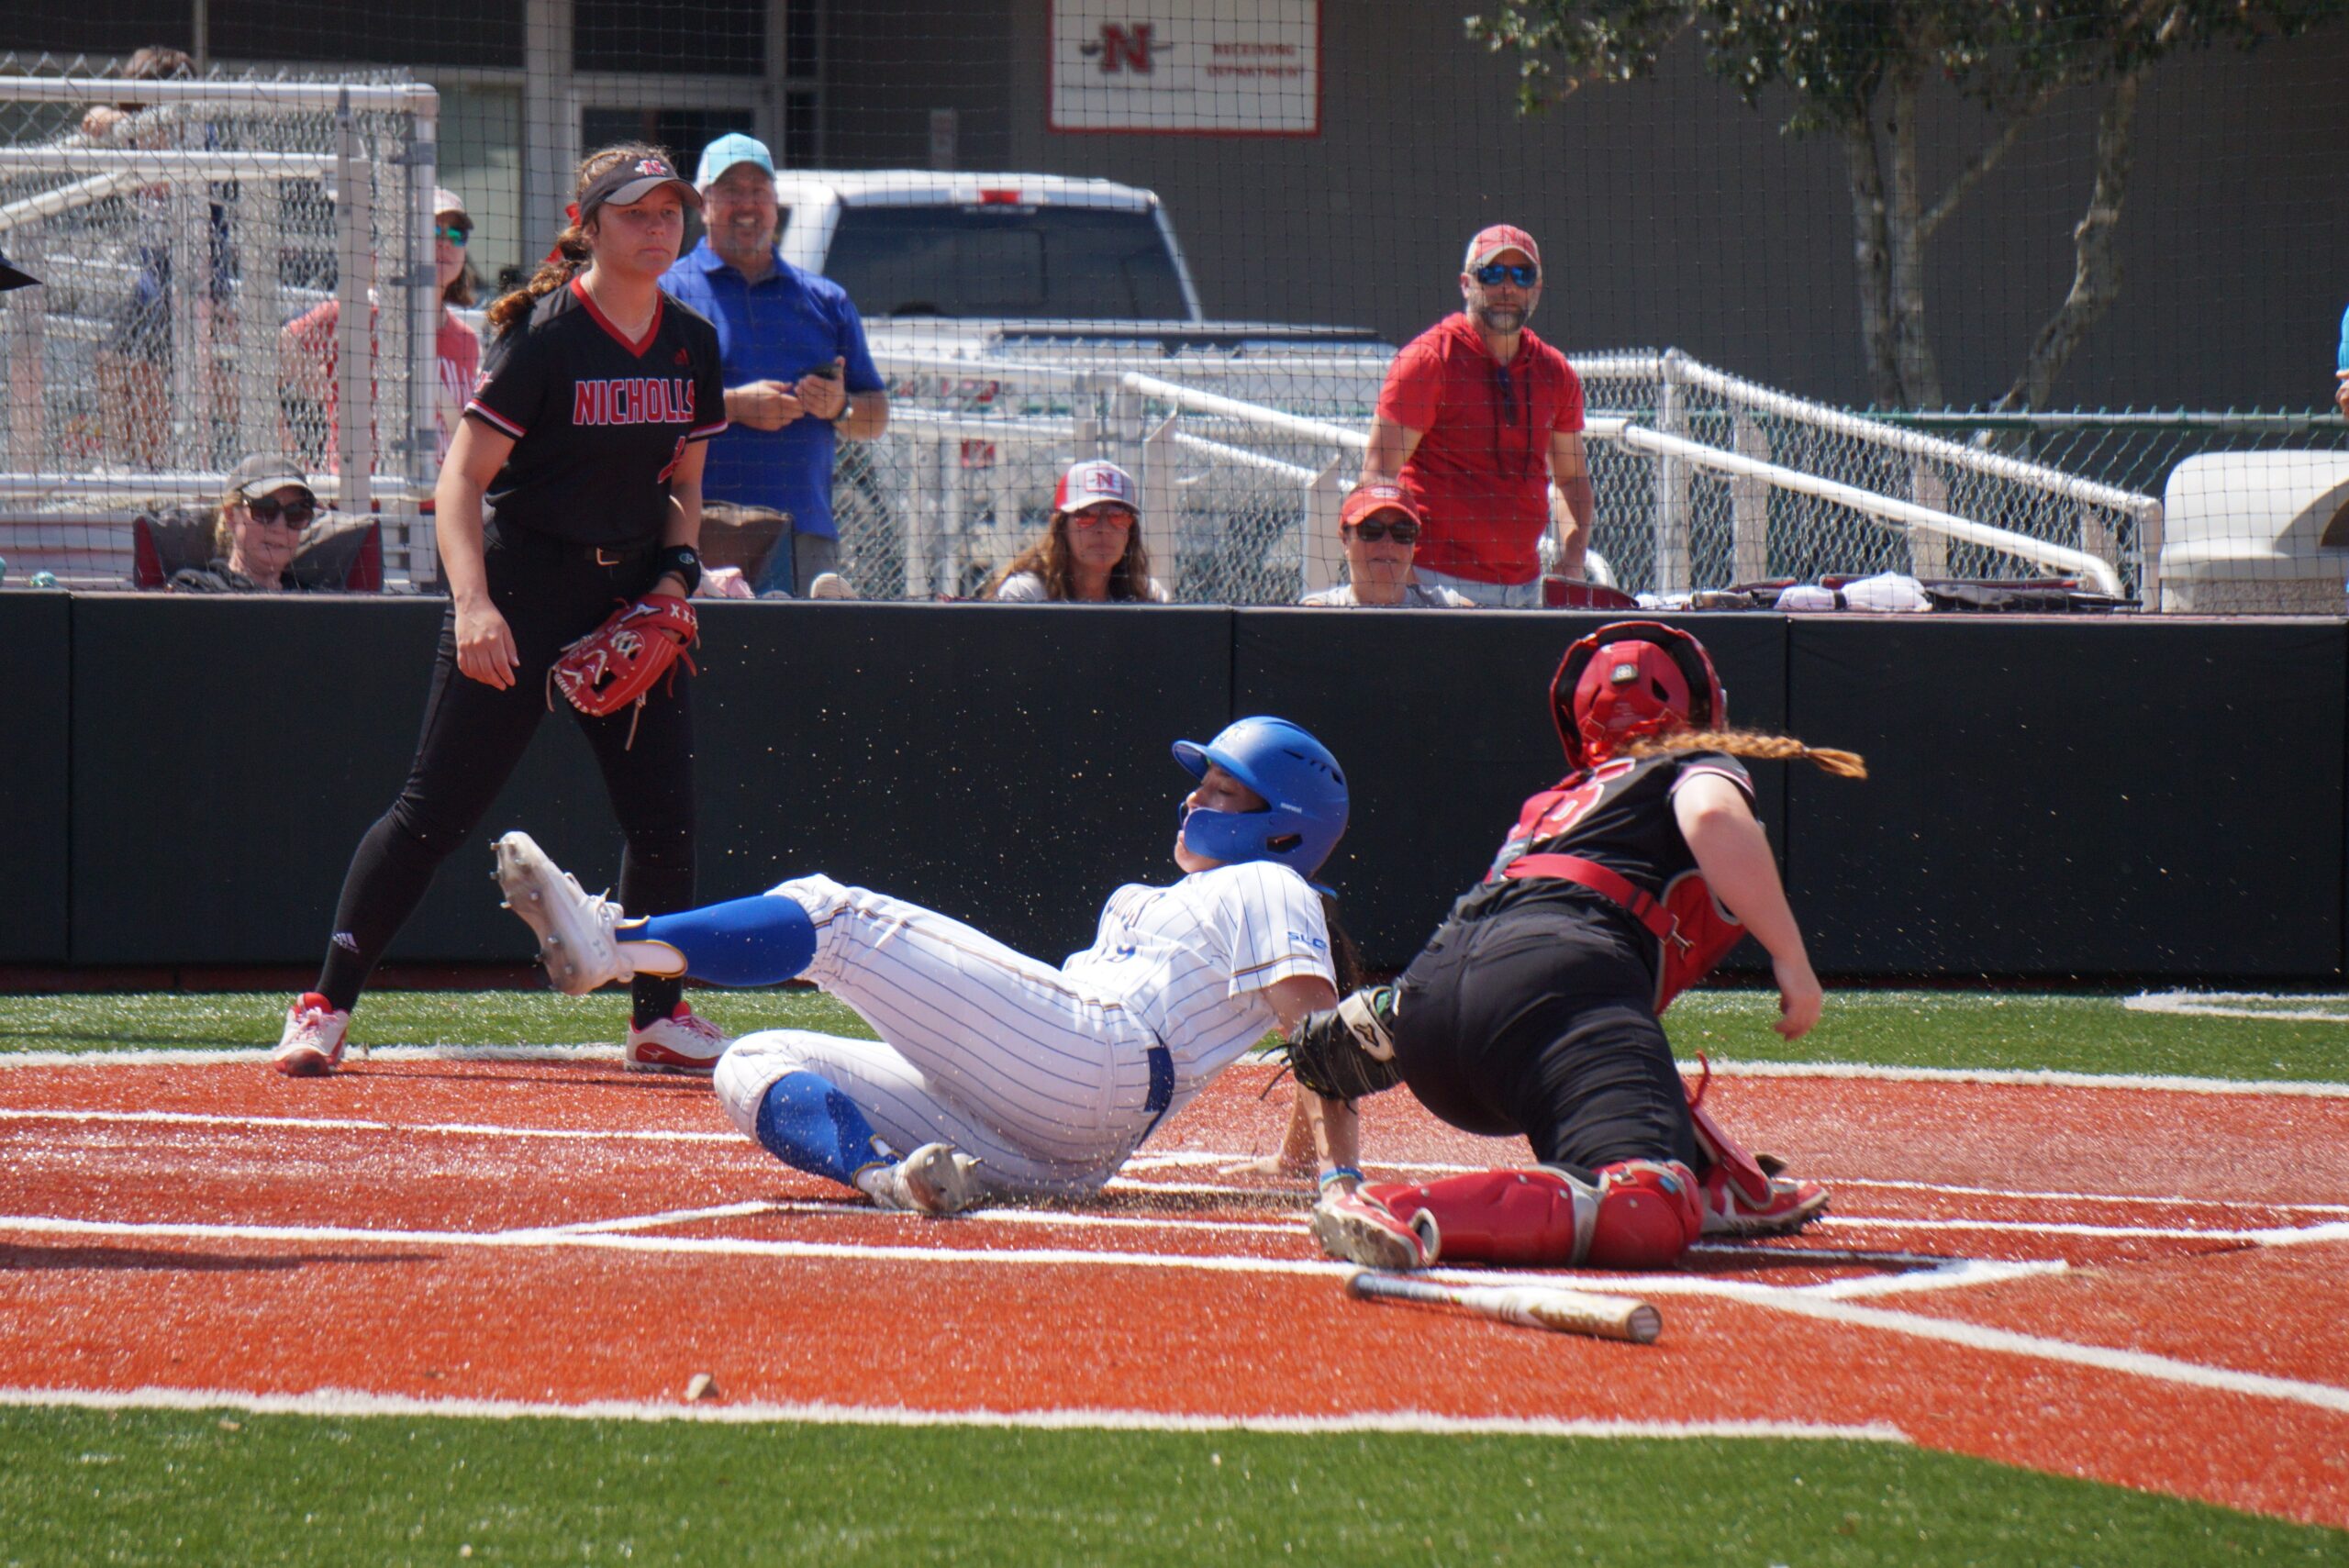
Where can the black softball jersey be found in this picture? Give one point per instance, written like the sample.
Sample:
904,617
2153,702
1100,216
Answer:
598,422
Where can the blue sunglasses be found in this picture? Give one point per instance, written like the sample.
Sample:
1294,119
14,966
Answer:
1524,276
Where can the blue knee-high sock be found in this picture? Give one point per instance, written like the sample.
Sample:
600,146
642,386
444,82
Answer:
811,1125
744,941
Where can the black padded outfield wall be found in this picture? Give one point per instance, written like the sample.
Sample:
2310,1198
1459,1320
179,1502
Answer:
2059,797
1007,766
2111,798
36,699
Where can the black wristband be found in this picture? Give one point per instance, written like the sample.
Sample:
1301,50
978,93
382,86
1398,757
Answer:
682,560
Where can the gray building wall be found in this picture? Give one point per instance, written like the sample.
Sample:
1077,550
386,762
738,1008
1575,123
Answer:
1671,213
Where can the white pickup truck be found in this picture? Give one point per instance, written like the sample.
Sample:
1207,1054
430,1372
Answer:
1024,258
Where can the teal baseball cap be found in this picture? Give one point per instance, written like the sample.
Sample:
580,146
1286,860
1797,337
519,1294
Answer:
728,151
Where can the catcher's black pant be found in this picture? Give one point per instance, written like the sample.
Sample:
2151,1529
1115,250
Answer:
1539,1021
551,594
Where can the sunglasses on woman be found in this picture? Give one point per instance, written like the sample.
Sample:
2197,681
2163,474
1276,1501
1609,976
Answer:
1093,516
1522,274
454,233
269,509
1373,530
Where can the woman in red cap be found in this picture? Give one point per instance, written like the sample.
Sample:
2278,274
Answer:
1535,1009
1092,550
573,482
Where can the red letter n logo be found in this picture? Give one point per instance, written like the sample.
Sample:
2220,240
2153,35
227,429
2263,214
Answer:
1128,45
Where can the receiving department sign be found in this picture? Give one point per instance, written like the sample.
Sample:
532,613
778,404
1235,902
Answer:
1195,67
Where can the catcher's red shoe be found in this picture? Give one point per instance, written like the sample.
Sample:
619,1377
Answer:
1730,1211
682,1042
1361,1229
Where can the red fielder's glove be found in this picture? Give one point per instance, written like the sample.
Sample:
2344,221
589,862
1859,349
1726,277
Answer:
616,665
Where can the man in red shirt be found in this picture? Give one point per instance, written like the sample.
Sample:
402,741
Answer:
1478,419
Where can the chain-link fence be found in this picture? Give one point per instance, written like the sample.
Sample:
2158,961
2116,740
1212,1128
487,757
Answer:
1703,481
229,265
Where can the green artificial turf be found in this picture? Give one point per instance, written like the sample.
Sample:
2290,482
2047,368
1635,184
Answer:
152,1486
2023,1029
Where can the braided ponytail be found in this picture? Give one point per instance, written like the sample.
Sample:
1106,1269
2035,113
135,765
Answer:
1748,743
571,256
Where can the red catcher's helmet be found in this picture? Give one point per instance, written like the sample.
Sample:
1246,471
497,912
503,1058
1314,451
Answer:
1634,678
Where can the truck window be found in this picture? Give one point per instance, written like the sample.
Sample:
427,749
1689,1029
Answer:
1083,263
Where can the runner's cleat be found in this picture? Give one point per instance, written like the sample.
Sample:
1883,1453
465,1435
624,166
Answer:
937,1179
574,927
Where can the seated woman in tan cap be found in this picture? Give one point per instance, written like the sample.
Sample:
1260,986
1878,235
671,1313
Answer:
1381,531
258,528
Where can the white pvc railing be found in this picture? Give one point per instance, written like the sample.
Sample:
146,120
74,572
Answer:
1322,487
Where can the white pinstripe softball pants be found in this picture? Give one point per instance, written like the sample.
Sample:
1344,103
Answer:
983,1047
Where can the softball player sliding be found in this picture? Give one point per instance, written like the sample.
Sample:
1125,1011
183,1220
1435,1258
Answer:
994,1072
1535,1009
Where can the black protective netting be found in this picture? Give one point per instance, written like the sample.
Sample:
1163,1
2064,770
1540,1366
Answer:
1908,286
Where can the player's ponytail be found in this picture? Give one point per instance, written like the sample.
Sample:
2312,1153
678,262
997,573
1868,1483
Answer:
571,255
1345,958
1747,743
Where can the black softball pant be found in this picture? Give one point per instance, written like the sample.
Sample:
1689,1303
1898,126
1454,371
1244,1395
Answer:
550,595
1537,1021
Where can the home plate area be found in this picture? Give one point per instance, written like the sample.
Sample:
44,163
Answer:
2021,1271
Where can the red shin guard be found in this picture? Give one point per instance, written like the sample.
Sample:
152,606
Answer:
1649,1212
1641,1215
1492,1216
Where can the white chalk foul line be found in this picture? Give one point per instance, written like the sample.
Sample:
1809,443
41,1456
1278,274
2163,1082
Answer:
1803,1302
354,1404
259,1056
2242,1005
355,1124
2004,1341
1194,1159
2033,1078
556,1054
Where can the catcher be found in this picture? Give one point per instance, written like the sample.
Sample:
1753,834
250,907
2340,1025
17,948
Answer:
567,515
1535,1009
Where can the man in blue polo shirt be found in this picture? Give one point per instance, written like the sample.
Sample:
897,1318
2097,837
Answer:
798,373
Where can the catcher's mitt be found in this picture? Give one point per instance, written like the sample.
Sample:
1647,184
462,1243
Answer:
1346,1051
615,665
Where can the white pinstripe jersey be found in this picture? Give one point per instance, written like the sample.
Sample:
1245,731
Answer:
1192,961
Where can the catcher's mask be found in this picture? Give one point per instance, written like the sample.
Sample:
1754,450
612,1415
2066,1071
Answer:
1304,795
1630,679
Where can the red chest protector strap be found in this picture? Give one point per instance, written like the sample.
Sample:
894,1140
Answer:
1599,880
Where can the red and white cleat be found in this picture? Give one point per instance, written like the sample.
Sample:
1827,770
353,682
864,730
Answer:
1359,1229
311,1045
682,1042
1791,1205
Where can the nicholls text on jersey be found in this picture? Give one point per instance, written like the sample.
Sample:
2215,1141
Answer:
632,400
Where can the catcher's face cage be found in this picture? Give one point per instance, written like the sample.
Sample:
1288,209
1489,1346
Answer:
1681,689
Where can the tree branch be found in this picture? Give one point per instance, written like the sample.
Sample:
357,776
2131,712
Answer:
1987,160
1921,377
1871,258
2096,278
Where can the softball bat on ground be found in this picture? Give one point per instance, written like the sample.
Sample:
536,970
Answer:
1536,1306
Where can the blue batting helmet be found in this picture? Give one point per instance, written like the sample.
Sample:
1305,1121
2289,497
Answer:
1305,795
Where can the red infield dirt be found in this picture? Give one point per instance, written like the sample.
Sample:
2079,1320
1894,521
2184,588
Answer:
2009,1272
